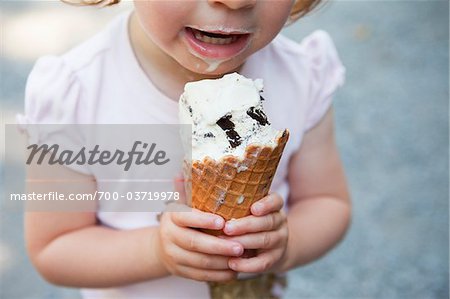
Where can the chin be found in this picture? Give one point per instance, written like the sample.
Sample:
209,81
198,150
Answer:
222,69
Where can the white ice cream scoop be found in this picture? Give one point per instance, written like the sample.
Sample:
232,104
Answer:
226,115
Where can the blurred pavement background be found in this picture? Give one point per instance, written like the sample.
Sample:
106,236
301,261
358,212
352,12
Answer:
392,128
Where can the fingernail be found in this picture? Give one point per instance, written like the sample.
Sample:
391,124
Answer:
218,222
232,265
257,207
237,250
229,227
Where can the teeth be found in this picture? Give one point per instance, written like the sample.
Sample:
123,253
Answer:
214,40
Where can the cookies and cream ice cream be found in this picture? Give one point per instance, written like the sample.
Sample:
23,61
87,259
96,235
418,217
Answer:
235,150
226,115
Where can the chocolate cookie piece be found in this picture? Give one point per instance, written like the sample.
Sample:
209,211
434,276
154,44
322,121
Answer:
258,115
227,125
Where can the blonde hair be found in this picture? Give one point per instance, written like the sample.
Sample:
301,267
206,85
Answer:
300,8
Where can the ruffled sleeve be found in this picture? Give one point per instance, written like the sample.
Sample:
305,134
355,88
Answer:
52,101
326,74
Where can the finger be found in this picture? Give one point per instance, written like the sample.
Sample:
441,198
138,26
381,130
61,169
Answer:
268,204
261,263
205,275
193,240
198,219
261,240
199,260
254,224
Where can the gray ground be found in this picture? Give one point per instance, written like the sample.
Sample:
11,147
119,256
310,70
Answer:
392,127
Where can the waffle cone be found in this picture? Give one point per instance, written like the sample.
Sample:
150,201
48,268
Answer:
230,186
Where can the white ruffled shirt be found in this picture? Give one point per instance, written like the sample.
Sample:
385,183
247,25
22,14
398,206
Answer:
101,82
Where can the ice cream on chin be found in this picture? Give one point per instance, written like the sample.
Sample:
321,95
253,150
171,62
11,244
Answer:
235,150
226,115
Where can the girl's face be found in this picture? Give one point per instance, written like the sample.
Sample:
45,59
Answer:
211,36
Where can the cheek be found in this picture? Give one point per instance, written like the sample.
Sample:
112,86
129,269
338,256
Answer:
162,19
273,16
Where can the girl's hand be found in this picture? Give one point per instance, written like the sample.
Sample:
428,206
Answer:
265,230
190,253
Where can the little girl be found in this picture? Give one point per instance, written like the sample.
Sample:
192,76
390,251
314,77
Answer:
134,72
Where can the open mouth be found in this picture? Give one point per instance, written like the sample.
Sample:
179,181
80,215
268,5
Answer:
216,44
215,38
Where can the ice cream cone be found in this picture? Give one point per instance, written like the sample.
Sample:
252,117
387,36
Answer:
234,153
230,186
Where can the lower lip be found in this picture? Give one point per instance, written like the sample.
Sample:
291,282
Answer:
216,51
